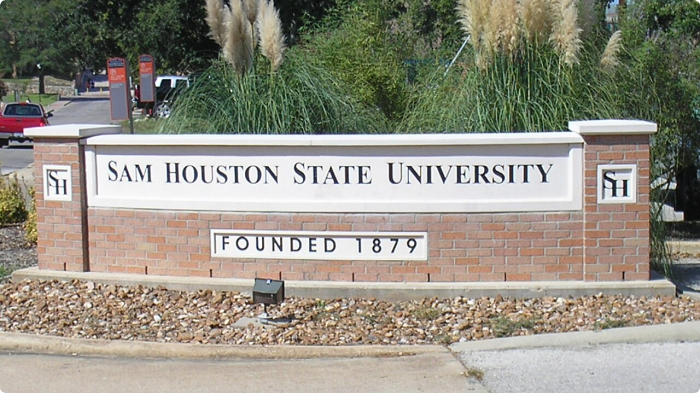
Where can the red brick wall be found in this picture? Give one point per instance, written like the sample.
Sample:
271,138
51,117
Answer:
616,235
612,239
61,225
462,247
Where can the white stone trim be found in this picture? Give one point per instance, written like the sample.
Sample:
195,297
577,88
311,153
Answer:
338,140
613,127
74,131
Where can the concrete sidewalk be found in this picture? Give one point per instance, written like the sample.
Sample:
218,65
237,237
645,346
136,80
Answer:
101,365
427,372
109,366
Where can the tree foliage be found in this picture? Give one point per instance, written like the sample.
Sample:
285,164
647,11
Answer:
173,31
26,40
662,38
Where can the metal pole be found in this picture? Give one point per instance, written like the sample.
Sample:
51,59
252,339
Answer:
457,55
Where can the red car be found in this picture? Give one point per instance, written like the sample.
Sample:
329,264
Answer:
15,117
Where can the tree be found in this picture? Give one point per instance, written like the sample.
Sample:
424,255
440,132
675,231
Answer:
181,43
27,43
662,38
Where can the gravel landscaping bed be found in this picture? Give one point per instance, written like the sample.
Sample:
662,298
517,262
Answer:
15,252
90,310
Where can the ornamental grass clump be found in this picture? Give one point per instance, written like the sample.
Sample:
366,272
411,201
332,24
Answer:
249,91
527,68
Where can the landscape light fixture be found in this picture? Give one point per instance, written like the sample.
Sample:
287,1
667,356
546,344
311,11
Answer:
267,291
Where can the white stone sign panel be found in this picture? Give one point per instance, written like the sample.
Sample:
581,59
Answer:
358,246
617,184
391,174
57,183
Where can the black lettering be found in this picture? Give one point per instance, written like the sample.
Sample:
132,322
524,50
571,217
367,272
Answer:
609,180
416,175
194,176
462,174
169,172
299,172
511,174
391,173
613,185
242,245
258,174
273,174
235,168
331,175
314,169
125,173
363,175
277,242
444,175
113,171
295,244
346,171
328,244
480,171
204,174
429,174
56,183
499,173
222,177
544,173
526,172
224,242
260,243
145,174
312,244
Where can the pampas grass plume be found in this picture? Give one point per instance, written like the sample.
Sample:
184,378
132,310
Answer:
536,18
251,10
237,50
216,20
610,60
271,38
473,16
566,33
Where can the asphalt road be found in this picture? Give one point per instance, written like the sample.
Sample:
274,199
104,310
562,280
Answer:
19,155
83,112
623,368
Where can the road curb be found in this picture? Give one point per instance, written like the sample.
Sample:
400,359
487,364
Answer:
691,247
29,343
677,332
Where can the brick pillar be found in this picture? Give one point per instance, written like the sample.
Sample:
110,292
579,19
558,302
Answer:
616,198
61,198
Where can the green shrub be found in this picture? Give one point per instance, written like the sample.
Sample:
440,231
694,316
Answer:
355,47
12,205
299,98
532,71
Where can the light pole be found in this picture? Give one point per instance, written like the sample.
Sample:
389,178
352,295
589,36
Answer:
42,89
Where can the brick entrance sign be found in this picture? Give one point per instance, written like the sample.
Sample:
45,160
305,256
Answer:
385,208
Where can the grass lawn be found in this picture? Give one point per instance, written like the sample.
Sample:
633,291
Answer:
142,125
43,99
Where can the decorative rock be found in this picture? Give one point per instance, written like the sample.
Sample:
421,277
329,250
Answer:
137,313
